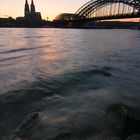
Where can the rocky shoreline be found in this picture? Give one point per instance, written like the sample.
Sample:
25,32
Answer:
125,120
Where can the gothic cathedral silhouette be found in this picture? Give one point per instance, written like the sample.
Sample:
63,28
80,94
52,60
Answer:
30,12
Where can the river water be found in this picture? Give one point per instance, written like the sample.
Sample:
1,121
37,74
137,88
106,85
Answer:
56,83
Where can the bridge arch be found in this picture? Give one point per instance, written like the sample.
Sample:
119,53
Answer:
92,6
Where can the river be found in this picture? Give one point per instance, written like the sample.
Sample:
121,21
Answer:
56,83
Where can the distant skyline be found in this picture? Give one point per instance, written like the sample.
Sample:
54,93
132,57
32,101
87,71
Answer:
48,8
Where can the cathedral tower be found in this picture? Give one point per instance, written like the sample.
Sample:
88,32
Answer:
32,6
31,14
26,10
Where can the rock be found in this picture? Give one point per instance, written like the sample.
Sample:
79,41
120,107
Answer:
125,118
63,136
25,129
104,136
134,137
101,72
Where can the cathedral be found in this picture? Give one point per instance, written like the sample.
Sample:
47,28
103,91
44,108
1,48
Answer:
30,12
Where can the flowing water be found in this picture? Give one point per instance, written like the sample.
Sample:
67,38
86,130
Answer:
56,83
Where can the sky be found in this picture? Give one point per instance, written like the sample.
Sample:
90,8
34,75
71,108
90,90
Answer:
48,8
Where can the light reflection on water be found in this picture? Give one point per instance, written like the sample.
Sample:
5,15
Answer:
68,76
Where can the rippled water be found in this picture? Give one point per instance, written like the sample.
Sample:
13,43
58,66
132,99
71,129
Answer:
55,84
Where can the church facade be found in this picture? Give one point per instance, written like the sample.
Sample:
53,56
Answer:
30,12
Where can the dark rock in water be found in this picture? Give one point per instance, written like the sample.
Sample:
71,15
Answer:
64,136
102,72
134,137
104,136
107,68
125,118
117,114
25,129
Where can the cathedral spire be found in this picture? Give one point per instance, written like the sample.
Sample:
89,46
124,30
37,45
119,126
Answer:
26,9
32,6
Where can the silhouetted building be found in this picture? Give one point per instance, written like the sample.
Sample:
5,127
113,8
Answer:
32,6
26,9
67,17
30,13
7,22
31,17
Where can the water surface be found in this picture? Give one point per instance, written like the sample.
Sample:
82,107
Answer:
68,77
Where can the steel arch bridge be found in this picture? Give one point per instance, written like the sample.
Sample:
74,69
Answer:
109,9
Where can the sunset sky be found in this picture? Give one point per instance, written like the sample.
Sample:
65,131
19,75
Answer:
48,8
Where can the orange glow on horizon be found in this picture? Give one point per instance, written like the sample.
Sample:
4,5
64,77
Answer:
126,20
49,8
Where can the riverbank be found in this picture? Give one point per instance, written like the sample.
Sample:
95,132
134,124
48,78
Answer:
89,25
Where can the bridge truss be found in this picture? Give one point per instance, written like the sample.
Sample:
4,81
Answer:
109,9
